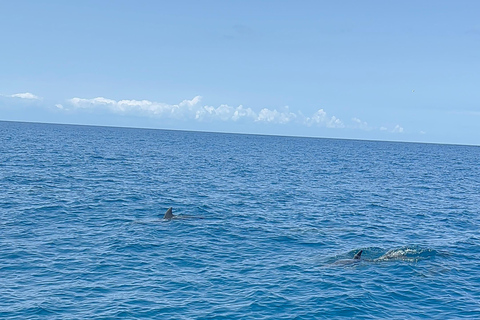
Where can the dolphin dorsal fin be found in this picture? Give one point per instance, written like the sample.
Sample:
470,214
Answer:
168,214
358,255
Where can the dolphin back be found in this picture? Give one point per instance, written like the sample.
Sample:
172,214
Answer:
168,214
358,256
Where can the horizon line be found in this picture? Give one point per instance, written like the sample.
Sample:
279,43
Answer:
241,133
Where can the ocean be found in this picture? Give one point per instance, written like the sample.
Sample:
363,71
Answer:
274,223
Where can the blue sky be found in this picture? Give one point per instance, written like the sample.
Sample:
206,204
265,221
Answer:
403,70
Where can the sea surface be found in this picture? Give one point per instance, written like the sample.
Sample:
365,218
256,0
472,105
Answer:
273,225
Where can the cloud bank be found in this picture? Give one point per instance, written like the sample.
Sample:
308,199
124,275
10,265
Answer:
192,109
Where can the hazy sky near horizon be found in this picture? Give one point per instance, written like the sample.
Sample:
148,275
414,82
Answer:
404,70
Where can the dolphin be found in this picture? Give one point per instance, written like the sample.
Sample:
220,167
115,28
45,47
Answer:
169,215
356,258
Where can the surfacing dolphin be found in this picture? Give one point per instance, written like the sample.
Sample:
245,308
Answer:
169,215
358,256
355,259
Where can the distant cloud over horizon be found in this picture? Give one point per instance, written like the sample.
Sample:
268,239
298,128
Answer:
26,95
397,129
193,110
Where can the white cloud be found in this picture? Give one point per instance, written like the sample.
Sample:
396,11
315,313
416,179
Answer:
191,109
91,103
335,123
188,109
359,124
223,112
190,103
26,95
143,107
242,113
397,129
320,118
274,116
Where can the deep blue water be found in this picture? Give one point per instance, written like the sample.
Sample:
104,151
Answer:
82,234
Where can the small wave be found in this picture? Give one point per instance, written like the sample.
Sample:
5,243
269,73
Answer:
408,254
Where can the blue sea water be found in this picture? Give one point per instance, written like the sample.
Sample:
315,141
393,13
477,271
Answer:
82,234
